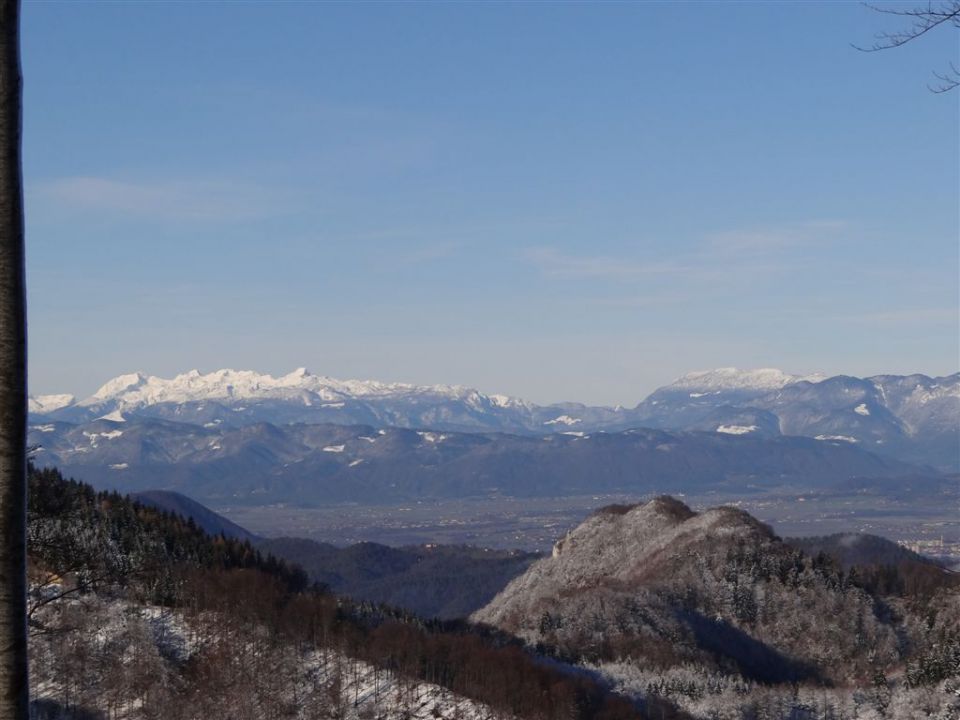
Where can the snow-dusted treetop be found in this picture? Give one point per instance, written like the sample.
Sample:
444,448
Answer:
735,379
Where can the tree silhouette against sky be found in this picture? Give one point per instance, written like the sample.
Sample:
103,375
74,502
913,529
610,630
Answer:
920,21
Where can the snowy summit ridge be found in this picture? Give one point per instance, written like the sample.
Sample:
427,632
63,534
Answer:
732,378
912,417
139,390
48,403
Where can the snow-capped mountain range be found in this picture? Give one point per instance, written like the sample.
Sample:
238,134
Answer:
914,417
136,390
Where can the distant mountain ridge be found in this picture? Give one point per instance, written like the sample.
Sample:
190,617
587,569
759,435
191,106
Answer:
320,464
854,548
914,418
211,523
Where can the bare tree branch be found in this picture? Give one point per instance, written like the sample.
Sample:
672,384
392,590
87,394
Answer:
923,19
947,81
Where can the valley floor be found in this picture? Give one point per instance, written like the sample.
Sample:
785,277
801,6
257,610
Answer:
535,524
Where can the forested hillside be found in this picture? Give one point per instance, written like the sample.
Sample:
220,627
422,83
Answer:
137,613
714,611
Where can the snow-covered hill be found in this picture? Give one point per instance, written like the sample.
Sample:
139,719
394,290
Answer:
317,682
715,611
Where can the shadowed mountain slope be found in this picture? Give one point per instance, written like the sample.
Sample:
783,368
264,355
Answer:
206,519
321,464
443,581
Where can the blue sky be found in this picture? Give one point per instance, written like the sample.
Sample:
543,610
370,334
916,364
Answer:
556,201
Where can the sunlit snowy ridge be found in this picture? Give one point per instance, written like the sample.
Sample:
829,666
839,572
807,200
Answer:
910,417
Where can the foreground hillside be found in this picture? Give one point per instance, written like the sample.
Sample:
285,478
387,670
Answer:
714,611
136,613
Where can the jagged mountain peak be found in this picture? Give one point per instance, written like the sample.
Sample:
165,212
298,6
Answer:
298,374
138,389
120,384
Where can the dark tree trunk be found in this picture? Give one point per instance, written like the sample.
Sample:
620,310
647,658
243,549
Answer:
14,691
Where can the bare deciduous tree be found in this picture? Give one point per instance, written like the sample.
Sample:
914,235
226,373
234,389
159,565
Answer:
14,694
920,21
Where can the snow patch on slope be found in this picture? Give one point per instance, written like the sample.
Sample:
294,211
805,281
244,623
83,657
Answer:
736,429
563,420
355,688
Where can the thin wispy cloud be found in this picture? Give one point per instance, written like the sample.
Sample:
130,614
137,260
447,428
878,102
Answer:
430,252
949,316
745,251
772,240
403,252
551,261
640,302
190,200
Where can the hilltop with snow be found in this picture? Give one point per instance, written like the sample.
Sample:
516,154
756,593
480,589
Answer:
722,616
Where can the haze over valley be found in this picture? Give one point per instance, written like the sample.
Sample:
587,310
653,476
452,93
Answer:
350,461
